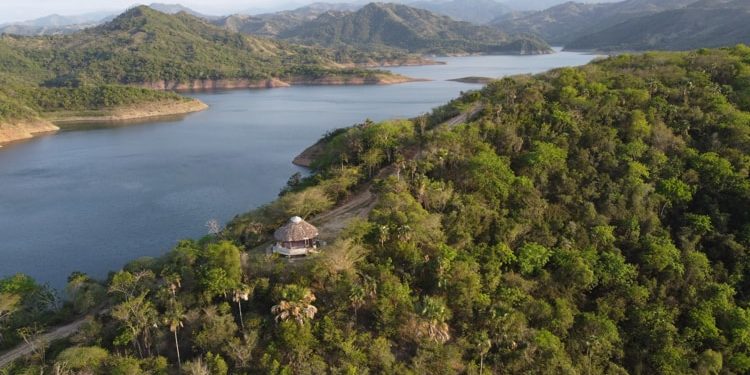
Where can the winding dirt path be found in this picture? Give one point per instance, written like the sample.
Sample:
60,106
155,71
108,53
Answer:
359,205
465,116
331,223
56,334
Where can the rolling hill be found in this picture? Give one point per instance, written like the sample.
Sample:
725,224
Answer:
703,24
383,26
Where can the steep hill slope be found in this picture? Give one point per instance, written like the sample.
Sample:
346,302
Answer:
700,25
379,25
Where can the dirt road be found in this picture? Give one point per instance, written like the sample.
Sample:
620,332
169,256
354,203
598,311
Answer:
25,349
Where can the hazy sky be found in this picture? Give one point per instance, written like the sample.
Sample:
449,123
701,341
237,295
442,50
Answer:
20,10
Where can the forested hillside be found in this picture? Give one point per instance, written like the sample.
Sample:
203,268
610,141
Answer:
584,221
380,26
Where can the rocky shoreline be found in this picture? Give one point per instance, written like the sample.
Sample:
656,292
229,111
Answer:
241,83
307,157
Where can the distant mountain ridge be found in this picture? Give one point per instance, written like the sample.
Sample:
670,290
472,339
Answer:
272,24
703,24
387,25
566,22
474,11
178,8
56,24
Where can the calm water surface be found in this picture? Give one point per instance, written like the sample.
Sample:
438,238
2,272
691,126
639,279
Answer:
92,199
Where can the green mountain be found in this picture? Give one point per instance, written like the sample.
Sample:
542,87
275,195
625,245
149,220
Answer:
147,48
566,22
379,25
590,220
143,45
702,24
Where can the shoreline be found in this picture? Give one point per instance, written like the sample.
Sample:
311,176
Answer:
136,112
272,83
306,158
21,130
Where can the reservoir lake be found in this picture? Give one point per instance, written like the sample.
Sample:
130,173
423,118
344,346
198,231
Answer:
92,198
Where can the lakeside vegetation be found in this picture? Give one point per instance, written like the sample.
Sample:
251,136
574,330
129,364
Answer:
99,69
586,220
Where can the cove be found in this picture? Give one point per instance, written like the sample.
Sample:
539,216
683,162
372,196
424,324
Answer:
91,199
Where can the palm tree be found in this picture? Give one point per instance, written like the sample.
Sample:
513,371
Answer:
296,303
173,319
433,325
173,283
357,296
484,348
241,293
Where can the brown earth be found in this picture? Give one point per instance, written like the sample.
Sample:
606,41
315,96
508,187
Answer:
56,334
307,157
24,129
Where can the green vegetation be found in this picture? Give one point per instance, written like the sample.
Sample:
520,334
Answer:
102,96
702,24
143,45
379,26
380,32
89,70
587,220
637,25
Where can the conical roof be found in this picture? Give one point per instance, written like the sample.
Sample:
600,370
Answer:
296,230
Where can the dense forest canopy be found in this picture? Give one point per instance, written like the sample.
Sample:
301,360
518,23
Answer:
586,220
